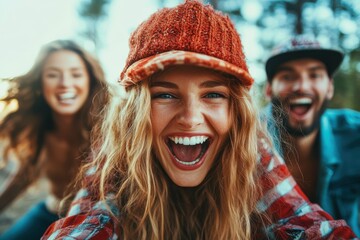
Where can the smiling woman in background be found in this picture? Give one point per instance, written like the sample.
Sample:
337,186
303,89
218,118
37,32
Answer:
48,133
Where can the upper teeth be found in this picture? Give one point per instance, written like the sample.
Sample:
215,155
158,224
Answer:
189,140
67,95
303,100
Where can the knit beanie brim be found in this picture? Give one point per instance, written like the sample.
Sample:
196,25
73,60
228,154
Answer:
146,67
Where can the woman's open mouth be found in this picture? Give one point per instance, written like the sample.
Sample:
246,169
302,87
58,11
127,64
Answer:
66,97
188,152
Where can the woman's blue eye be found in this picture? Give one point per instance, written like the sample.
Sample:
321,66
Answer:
163,96
214,95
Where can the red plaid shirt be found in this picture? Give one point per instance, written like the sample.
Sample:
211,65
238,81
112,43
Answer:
294,217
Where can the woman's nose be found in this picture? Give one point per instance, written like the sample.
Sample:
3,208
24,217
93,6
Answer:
191,114
65,80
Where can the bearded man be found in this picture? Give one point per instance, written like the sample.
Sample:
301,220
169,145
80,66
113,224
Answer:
320,146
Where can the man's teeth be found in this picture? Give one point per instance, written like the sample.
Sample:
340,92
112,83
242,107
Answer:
189,140
303,100
68,95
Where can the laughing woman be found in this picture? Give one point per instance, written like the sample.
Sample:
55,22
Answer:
182,155
48,133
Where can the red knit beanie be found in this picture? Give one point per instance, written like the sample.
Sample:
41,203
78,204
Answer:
191,33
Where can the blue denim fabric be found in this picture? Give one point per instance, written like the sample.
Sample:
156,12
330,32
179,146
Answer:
32,225
339,173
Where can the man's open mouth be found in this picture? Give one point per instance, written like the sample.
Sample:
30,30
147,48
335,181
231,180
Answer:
300,106
188,150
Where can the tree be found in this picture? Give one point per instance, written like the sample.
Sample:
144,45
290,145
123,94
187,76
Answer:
347,83
93,12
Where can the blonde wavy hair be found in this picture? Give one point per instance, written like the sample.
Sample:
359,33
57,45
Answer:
151,206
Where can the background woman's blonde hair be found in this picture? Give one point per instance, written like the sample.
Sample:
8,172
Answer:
150,205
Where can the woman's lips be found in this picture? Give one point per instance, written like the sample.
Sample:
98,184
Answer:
188,152
66,97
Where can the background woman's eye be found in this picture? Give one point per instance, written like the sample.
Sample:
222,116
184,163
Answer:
77,75
51,75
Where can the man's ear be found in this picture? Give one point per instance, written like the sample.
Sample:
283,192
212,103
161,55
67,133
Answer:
330,92
268,91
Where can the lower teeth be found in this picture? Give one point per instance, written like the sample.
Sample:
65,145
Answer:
188,163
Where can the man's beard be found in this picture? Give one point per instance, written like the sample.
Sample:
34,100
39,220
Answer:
282,118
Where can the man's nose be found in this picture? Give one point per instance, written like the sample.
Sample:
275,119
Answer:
302,84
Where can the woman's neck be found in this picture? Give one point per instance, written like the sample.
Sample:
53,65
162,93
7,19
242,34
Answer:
67,127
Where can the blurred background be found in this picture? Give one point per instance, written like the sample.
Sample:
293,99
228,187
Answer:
103,27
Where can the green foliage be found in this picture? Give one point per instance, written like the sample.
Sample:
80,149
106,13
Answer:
347,84
94,9
93,13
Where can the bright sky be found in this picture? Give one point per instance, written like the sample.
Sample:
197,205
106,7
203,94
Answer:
25,25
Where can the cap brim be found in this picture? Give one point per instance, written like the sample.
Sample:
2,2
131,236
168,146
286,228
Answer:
146,67
331,58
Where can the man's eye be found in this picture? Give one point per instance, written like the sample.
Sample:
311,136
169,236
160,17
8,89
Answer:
316,75
287,77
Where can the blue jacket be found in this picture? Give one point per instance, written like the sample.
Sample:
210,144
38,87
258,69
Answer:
338,190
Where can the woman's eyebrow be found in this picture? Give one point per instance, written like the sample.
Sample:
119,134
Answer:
59,69
51,68
164,84
212,83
